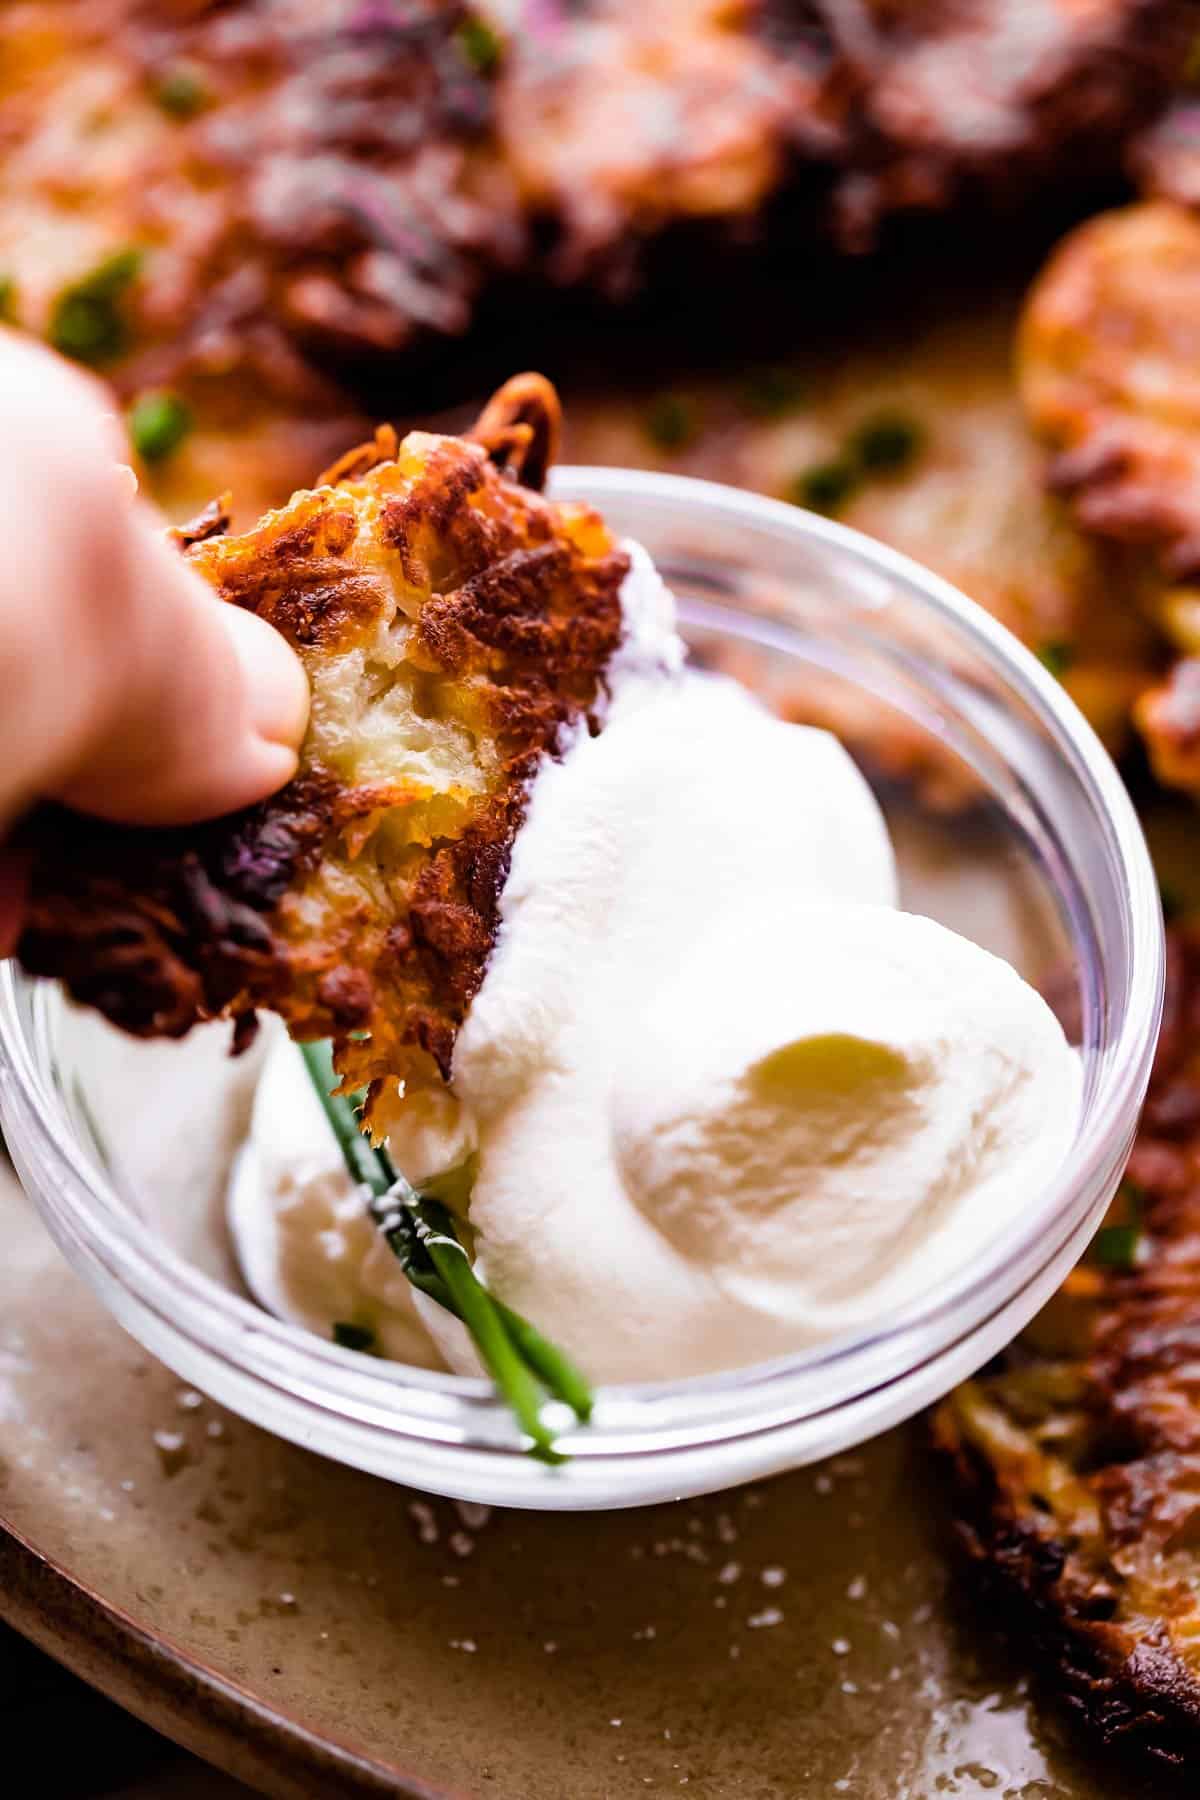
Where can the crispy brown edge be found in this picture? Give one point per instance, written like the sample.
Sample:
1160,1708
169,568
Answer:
1134,1693
175,927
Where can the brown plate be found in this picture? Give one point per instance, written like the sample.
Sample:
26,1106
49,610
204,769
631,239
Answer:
317,1632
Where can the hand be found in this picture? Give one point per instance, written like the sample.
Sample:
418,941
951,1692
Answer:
126,687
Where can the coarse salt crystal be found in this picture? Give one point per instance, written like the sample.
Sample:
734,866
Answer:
422,1516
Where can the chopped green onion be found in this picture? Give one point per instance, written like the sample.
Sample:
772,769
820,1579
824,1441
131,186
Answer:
770,391
1133,1195
353,1337
87,322
671,421
480,45
1172,903
1116,1246
825,487
158,424
886,443
1057,656
180,91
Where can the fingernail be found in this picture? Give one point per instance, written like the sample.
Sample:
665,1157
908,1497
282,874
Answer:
276,685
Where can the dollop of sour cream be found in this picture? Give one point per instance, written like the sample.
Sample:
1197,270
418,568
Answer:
723,1098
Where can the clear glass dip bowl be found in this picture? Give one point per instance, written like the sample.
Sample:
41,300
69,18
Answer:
1011,825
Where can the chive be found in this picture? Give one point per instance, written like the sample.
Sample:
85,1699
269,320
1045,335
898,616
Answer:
770,391
557,1371
477,1310
420,1232
353,1337
180,92
8,299
398,1227
1133,1194
158,424
406,1219
1116,1246
1057,656
825,487
480,45
1172,903
86,322
363,1162
671,421
886,443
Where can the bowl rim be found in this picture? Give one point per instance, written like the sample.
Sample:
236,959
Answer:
462,1413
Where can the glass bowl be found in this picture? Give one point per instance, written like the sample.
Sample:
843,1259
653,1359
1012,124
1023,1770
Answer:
1011,825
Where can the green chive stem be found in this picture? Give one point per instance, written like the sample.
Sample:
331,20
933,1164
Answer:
399,1230
524,1365
364,1162
500,1357
555,1370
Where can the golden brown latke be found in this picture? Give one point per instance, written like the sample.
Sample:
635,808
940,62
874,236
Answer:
309,178
1165,159
263,193
297,175
1109,366
1076,1459
452,622
619,121
959,491
966,496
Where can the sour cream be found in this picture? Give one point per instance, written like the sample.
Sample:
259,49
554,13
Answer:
723,1098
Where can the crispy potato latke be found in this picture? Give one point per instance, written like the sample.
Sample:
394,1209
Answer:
1109,364
452,621
1076,1460
302,179
966,499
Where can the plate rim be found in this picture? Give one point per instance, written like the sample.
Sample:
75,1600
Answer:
177,1694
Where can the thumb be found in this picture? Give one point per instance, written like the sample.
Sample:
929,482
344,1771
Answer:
130,689
200,707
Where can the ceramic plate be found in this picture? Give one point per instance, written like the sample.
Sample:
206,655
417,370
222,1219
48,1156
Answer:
318,1632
